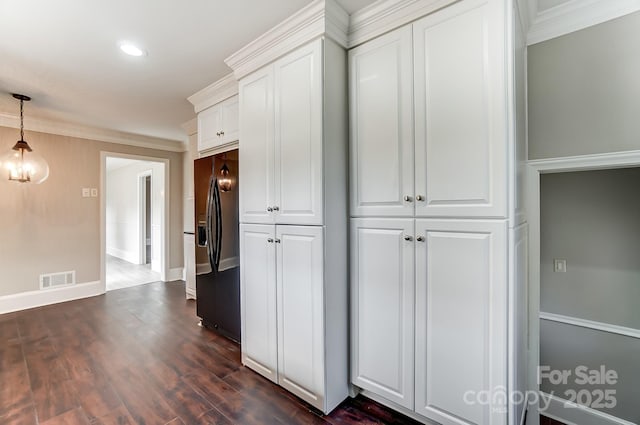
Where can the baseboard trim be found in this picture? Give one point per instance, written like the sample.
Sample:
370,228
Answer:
175,274
32,299
575,414
131,257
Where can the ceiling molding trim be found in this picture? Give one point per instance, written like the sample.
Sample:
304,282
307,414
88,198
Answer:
576,15
386,15
190,127
320,18
214,93
92,133
523,13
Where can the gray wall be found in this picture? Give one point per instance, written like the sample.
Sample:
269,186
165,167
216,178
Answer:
584,91
592,220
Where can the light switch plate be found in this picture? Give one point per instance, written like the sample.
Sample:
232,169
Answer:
94,192
559,266
86,192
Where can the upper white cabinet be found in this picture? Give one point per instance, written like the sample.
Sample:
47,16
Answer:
381,87
460,111
218,125
282,149
428,117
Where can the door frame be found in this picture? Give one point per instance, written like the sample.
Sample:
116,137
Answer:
164,219
142,214
535,168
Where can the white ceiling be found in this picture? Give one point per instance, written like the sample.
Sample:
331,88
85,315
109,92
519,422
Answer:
65,55
114,163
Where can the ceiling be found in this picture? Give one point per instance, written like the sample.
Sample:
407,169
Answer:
65,55
114,163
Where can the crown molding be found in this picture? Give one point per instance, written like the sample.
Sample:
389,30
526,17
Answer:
320,18
386,15
92,133
576,15
190,127
214,93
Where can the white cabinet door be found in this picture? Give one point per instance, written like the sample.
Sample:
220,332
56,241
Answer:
209,123
460,112
461,313
382,302
256,149
230,128
258,299
381,107
299,253
298,136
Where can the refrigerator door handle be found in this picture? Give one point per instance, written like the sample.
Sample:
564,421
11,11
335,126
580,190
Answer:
210,253
218,212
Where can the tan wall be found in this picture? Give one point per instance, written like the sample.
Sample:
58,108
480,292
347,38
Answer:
50,227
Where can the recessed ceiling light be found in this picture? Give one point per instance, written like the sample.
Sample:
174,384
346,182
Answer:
132,50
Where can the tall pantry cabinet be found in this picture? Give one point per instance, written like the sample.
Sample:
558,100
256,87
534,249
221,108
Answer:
436,278
293,206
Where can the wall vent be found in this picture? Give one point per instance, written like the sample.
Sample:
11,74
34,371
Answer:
54,280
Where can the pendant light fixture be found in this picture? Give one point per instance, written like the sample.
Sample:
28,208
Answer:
224,182
21,164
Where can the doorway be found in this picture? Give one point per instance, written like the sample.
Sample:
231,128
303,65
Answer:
133,220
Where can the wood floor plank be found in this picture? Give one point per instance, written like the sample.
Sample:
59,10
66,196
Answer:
72,417
20,415
119,416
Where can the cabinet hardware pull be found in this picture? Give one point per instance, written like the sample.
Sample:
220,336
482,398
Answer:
269,209
222,133
270,240
218,134
408,238
420,239
277,240
276,208
408,198
419,198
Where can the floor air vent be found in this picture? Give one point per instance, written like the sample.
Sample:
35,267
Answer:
53,280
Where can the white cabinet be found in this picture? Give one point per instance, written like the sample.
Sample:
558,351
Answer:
218,125
460,111
428,127
258,299
461,319
282,140
190,266
300,281
286,301
381,89
382,315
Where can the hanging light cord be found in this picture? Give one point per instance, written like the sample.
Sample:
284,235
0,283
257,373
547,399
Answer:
21,120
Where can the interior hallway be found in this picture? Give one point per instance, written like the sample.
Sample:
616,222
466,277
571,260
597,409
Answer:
123,274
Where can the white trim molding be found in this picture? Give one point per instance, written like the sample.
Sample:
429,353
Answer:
222,89
219,149
590,324
384,16
320,18
575,15
175,274
93,133
190,127
575,414
586,162
32,299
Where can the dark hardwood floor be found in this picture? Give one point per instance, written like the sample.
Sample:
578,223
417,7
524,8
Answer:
548,421
136,356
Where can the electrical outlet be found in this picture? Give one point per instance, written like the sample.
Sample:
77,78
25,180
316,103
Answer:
86,192
94,192
559,266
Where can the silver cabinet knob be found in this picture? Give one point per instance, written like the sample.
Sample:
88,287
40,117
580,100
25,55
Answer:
269,209
222,133
408,238
277,240
419,198
408,198
218,134
270,240
420,239
276,208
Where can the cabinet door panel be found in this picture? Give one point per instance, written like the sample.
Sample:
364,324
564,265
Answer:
381,127
256,149
209,124
300,312
382,279
461,318
230,124
298,140
460,112
258,299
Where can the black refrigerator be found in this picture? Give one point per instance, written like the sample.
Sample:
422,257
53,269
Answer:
217,243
